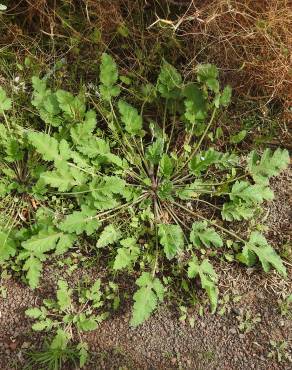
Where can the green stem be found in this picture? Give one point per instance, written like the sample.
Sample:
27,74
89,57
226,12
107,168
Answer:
189,177
83,170
81,192
177,220
188,138
124,137
120,207
211,222
172,130
134,175
141,154
209,204
116,136
164,119
6,121
156,236
195,189
197,147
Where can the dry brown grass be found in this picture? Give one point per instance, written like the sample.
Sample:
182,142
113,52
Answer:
251,40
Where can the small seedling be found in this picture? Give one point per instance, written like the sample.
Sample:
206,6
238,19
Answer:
279,351
186,317
247,322
65,315
285,306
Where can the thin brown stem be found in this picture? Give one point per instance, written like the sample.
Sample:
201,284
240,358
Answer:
231,233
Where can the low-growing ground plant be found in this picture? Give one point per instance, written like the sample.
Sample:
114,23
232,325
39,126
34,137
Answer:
143,180
67,316
19,169
285,306
247,321
279,351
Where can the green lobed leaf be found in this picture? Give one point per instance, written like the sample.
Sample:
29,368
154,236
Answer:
13,150
46,102
34,250
237,138
251,193
166,165
7,246
171,238
268,165
108,70
72,106
86,323
33,267
206,72
83,353
108,77
94,294
227,160
5,102
94,147
34,313
208,279
46,240
257,246
169,81
42,325
237,211
65,242
64,178
64,295
200,162
104,187
130,118
202,235
146,298
127,255
154,151
193,190
109,235
40,91
195,104
46,145
203,160
165,190
81,221
105,202
83,131
213,84
225,97
60,341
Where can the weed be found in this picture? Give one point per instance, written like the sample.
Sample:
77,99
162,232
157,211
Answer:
185,316
143,186
54,356
279,351
63,316
247,322
285,305
226,303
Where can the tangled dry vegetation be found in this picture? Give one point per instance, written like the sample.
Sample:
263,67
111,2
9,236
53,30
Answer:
250,40
250,37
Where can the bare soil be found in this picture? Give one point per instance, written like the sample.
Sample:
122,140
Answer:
165,342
